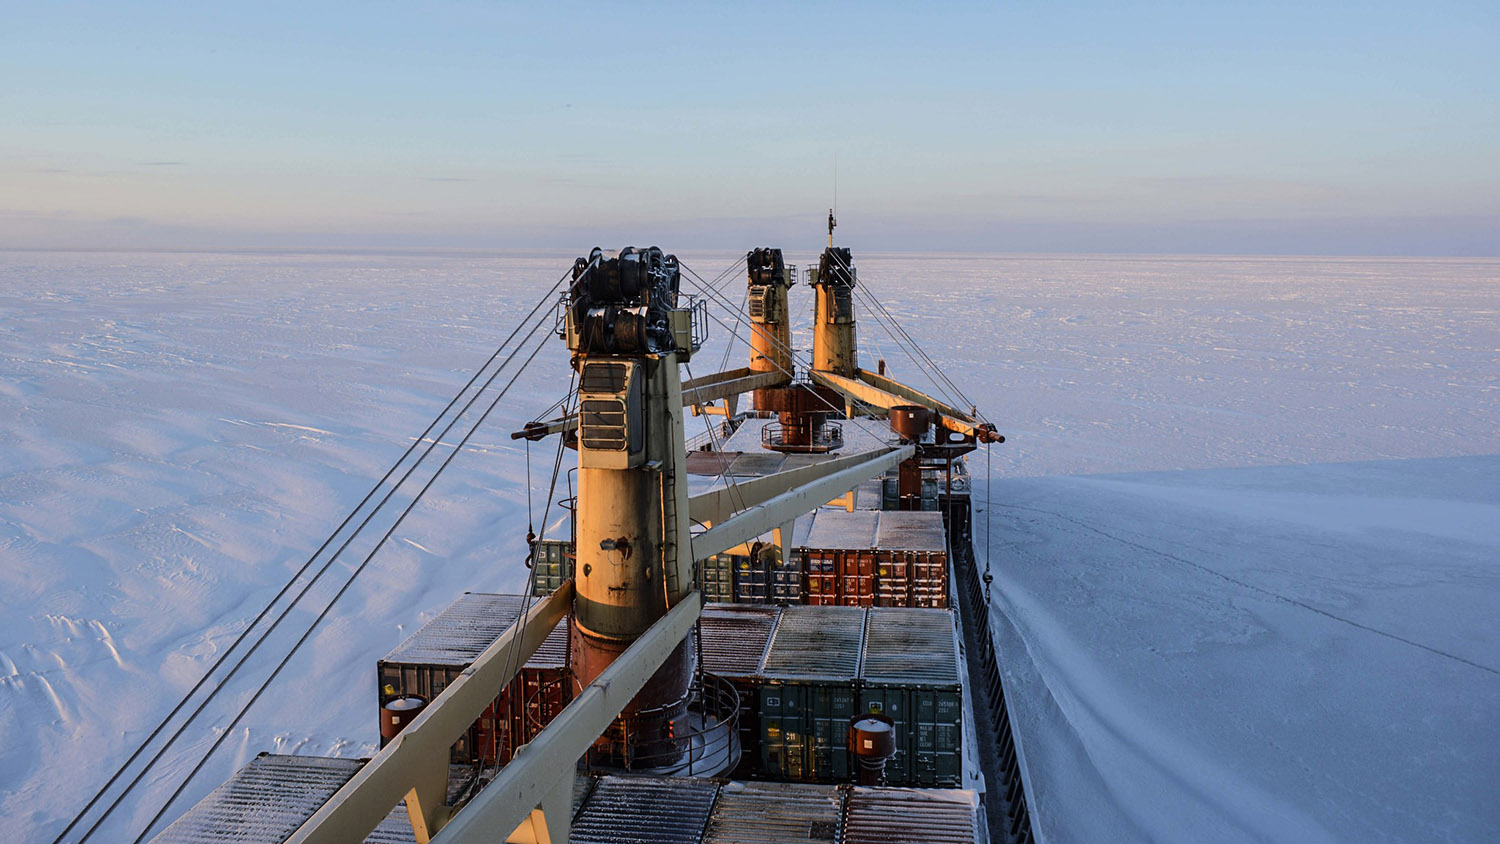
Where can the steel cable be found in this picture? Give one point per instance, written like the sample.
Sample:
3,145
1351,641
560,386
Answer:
278,596
347,583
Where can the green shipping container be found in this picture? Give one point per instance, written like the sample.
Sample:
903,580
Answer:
809,693
551,565
716,577
911,675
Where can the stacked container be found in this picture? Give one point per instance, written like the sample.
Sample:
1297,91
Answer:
838,561
891,493
786,579
644,810
551,564
875,558
538,693
270,798
716,577
441,649
733,646
767,579
807,696
910,816
774,813
910,674
433,657
913,569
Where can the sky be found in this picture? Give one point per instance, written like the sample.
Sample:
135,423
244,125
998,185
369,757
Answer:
1282,128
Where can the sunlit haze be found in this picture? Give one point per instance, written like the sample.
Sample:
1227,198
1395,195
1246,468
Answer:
1322,128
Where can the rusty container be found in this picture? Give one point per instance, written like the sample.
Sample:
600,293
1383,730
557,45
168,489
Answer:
916,545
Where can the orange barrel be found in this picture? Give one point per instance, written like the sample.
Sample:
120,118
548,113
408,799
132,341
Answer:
396,713
872,740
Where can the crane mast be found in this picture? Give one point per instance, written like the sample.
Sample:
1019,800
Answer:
634,560
637,701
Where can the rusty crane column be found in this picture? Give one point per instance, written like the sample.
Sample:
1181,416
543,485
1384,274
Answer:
834,325
771,331
634,556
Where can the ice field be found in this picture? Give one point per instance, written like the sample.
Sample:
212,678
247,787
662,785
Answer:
1245,532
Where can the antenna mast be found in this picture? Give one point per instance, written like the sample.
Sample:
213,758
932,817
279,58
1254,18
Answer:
831,221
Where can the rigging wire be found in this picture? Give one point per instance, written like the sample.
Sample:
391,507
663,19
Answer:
349,582
893,328
797,357
276,623
513,656
240,639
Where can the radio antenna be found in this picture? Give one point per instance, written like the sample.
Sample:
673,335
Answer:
832,221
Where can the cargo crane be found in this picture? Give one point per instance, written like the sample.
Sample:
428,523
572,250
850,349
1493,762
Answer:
636,698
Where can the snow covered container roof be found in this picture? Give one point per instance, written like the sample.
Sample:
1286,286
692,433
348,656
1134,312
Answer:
553,651
839,529
774,813
268,799
911,816
818,643
457,636
911,647
645,810
736,636
460,633
911,530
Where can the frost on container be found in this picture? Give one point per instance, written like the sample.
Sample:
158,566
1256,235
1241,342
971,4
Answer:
875,558
911,675
733,646
433,657
808,695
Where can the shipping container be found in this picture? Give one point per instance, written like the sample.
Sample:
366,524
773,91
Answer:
808,693
891,493
441,649
786,579
911,675
767,579
774,813
644,810
733,646
716,577
551,564
875,558
539,692
268,799
910,816
915,546
838,566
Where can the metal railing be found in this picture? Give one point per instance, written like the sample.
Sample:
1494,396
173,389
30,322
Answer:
694,736
828,436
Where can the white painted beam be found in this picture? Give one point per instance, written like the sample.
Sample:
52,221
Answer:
717,505
416,761
776,511
540,767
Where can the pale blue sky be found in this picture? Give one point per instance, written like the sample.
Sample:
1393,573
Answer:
1337,128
